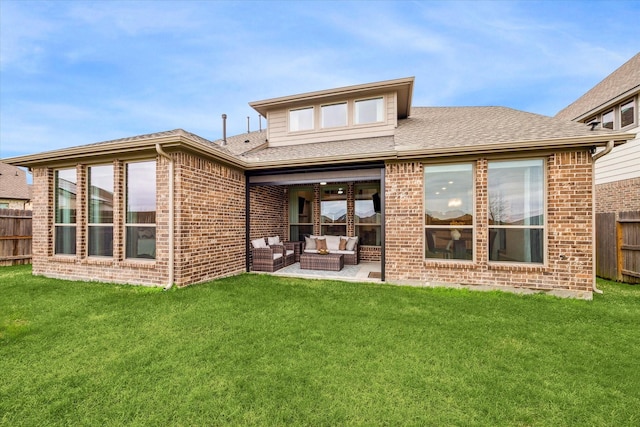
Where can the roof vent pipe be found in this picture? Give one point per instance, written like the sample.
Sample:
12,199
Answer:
260,122
248,127
224,130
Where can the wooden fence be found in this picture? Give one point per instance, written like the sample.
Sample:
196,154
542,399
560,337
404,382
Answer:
15,237
618,246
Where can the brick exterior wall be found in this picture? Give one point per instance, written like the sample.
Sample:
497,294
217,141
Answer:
618,196
209,228
115,269
269,216
569,266
210,219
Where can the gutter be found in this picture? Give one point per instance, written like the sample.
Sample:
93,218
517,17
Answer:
595,157
171,217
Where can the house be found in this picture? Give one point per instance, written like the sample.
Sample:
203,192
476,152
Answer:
15,193
486,196
614,104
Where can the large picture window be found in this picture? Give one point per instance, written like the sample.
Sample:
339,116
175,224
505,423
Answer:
367,214
449,211
65,211
516,211
333,211
141,210
100,223
300,213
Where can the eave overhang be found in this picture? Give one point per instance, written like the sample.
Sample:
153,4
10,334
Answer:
403,87
145,147
126,149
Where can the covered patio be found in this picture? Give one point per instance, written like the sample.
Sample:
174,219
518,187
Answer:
332,201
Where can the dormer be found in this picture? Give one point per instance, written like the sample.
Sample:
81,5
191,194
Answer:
351,112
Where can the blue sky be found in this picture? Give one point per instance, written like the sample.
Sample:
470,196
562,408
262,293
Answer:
78,72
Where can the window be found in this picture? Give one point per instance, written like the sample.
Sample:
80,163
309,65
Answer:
141,210
333,211
300,213
367,214
516,211
100,223
334,115
627,113
607,120
4,205
301,119
449,211
369,111
65,211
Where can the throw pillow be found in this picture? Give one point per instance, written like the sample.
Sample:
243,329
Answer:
321,244
258,243
352,243
309,243
343,244
274,240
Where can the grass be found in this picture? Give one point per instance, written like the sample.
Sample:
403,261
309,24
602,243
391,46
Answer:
263,350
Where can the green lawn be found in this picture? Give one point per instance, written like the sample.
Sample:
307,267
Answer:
261,350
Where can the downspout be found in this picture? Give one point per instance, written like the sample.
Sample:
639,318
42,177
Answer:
171,217
595,157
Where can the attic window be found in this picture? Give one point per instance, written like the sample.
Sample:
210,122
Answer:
334,115
369,111
301,119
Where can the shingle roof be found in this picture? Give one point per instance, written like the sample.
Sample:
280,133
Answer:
431,129
465,127
13,183
625,79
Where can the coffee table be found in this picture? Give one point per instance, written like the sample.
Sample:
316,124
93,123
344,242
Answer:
331,262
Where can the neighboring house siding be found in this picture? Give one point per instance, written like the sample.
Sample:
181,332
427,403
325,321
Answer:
210,219
114,269
279,135
622,163
569,225
618,196
15,204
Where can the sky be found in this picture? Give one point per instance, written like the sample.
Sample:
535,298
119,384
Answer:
79,72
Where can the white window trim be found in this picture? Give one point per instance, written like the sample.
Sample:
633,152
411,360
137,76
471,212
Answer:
384,111
63,224
313,119
91,224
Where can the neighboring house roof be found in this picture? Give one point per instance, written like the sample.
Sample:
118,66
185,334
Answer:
623,82
13,183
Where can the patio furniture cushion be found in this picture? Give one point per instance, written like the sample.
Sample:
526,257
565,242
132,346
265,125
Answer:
343,244
273,240
351,244
321,244
259,243
310,243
